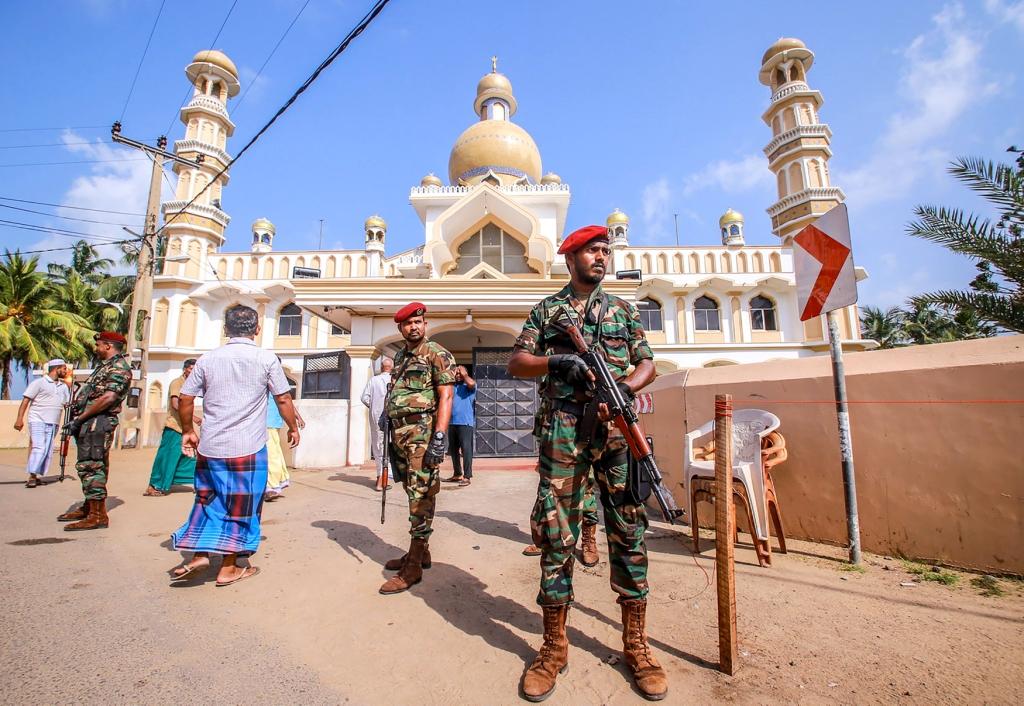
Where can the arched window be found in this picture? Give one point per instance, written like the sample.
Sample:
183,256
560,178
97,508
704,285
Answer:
706,316
762,314
289,321
492,246
650,315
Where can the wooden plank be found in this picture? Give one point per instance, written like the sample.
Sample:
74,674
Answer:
725,530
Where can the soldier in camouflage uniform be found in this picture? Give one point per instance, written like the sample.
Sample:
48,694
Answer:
95,411
575,438
588,534
419,407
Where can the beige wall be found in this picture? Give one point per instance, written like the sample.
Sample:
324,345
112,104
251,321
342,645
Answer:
935,480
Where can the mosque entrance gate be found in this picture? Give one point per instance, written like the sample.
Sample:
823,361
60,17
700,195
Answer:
505,406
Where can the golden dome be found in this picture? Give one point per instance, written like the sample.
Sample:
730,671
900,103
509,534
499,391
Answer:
494,145
780,46
616,217
375,221
217,58
730,216
494,85
263,224
431,180
551,178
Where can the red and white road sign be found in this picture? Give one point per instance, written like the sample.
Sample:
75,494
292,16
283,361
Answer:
644,403
823,263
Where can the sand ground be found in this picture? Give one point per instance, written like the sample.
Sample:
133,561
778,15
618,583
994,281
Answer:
90,618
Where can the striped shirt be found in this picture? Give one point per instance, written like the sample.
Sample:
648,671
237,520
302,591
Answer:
233,381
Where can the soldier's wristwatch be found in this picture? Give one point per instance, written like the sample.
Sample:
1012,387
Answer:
438,435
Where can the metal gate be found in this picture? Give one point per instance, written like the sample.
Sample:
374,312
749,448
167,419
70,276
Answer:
505,406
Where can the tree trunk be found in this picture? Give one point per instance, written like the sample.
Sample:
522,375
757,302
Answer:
5,385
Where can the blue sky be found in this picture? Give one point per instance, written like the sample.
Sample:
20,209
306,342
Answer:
653,108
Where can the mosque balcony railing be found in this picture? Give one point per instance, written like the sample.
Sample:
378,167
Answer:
817,193
513,189
817,130
789,89
198,209
208,104
203,148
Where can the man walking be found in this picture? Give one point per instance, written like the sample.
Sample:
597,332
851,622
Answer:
94,422
374,394
420,409
462,427
573,439
171,466
231,466
44,399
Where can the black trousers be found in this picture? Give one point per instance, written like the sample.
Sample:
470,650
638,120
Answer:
460,446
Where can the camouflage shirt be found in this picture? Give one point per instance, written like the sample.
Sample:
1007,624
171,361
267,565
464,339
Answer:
415,390
113,375
621,335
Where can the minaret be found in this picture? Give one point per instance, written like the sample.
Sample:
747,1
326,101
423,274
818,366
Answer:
262,236
731,227
207,127
799,151
618,229
376,228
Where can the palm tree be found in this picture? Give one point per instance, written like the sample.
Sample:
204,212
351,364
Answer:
926,323
86,261
998,248
883,325
33,326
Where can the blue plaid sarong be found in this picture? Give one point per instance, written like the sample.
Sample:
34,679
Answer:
225,518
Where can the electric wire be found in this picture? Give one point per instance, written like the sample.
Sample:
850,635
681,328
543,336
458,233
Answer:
64,205
68,218
190,89
36,228
141,59
50,129
54,144
377,8
270,56
69,247
73,161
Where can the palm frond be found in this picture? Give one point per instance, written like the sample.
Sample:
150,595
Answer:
998,183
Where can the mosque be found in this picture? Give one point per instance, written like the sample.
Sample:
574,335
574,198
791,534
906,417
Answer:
490,236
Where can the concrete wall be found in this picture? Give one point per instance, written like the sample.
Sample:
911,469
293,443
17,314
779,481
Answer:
937,434
9,438
324,441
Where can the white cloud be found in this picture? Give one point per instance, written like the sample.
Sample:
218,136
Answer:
942,81
656,213
731,176
1008,12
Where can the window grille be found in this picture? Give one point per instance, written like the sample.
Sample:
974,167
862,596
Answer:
326,376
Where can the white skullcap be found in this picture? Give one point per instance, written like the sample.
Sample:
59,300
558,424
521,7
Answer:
55,362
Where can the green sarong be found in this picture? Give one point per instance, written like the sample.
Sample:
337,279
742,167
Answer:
171,466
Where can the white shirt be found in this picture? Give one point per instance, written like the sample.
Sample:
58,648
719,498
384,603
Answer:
233,381
48,399
375,393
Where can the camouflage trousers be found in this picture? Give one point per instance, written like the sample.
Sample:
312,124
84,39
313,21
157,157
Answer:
408,445
93,442
566,467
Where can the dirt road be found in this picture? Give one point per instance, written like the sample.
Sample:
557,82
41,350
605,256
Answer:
89,617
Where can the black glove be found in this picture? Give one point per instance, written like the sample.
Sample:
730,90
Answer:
73,427
435,449
570,367
626,391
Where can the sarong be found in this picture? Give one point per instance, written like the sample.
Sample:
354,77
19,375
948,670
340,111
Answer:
171,466
225,518
278,477
42,435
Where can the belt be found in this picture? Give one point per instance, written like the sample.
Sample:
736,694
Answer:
574,408
413,418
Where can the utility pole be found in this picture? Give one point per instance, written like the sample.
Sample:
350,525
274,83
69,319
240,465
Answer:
320,245
676,217
142,295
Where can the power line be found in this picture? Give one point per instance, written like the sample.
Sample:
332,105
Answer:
377,8
53,144
68,218
73,161
269,57
55,231
70,247
50,129
64,205
142,59
212,45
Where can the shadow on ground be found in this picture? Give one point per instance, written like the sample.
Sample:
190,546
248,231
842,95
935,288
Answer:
486,525
354,479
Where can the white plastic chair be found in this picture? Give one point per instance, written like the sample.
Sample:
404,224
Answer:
749,427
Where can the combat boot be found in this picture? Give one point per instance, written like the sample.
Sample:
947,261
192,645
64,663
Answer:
588,546
553,657
79,513
97,518
397,564
647,673
411,572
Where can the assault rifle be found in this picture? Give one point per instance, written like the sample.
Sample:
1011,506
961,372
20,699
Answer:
385,460
65,440
622,414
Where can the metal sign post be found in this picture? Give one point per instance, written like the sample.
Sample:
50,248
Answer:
826,281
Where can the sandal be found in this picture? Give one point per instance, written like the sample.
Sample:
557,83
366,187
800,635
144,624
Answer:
152,492
190,571
31,482
453,479
464,482
246,573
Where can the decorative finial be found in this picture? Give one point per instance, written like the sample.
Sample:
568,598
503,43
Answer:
494,64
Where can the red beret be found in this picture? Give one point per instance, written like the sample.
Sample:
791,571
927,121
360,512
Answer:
110,336
581,237
410,310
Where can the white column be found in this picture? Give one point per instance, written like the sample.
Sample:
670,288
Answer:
358,416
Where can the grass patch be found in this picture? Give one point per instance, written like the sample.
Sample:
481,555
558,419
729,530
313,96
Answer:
988,586
855,568
928,573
